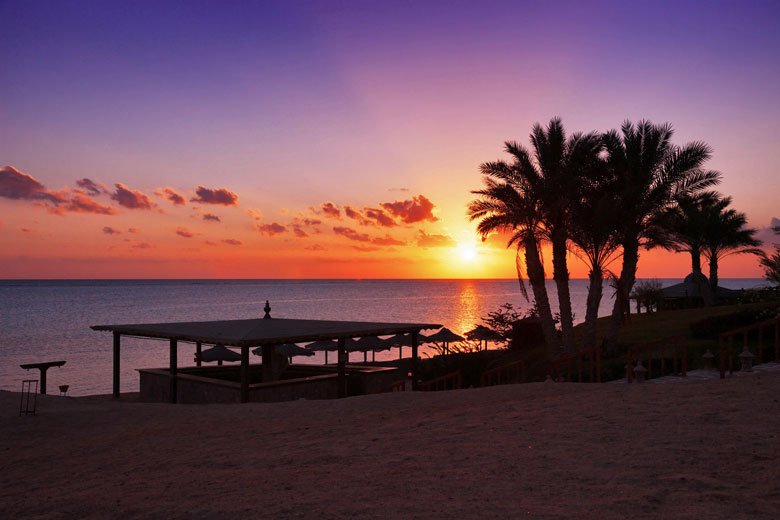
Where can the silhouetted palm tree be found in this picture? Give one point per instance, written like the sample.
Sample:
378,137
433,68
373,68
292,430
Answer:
771,266
650,174
557,174
506,205
725,234
683,228
594,221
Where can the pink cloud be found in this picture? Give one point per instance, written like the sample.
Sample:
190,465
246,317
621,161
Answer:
16,185
316,247
299,232
425,240
142,245
133,230
184,232
91,187
330,210
79,203
351,234
172,195
211,217
255,214
387,240
412,210
232,242
271,229
381,218
108,230
220,196
131,199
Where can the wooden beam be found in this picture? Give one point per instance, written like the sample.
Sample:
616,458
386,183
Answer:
116,365
245,374
342,371
174,369
198,352
414,360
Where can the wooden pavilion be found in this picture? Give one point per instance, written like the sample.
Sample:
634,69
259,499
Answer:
266,332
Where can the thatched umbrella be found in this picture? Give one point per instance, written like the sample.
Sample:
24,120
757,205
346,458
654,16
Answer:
482,333
326,345
367,343
404,340
219,353
445,336
289,350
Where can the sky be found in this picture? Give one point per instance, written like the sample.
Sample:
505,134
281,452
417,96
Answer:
336,139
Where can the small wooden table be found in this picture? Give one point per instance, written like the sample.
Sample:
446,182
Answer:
43,367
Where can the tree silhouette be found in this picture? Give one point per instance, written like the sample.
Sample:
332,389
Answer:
649,174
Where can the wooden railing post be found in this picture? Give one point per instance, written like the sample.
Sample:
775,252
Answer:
722,357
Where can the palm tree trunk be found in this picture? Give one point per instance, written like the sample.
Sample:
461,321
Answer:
561,276
698,277
596,277
535,269
624,285
714,277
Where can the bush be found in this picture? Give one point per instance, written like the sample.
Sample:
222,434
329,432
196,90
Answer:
712,327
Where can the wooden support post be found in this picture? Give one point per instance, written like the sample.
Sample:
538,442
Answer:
342,368
722,358
245,373
326,356
198,352
777,342
173,371
268,363
116,365
415,384
400,352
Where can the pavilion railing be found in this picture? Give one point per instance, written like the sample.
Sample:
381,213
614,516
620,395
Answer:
511,373
591,356
745,331
398,386
451,381
676,345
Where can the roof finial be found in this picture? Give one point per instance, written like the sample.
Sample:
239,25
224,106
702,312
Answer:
267,310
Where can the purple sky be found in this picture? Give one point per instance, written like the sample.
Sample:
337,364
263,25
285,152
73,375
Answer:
290,104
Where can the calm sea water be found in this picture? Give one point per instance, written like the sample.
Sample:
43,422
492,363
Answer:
48,320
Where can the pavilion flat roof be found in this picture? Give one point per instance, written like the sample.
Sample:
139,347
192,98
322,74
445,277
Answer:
253,332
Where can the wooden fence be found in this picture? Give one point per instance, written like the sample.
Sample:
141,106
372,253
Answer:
677,345
592,356
745,331
451,381
511,373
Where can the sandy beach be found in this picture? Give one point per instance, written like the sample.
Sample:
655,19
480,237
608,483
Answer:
546,450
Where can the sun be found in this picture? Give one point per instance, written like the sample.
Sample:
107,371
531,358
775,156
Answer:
467,252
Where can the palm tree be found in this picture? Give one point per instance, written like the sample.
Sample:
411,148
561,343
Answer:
507,205
682,228
771,266
725,234
651,174
594,222
553,172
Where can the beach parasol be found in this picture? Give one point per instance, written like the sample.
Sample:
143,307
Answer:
327,345
445,336
288,350
482,333
404,340
367,343
219,353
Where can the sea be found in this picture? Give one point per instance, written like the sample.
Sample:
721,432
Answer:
49,320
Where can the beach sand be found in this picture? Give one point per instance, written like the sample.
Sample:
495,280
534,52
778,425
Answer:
707,449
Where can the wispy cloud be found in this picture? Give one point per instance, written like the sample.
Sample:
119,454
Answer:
425,240
184,232
108,230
